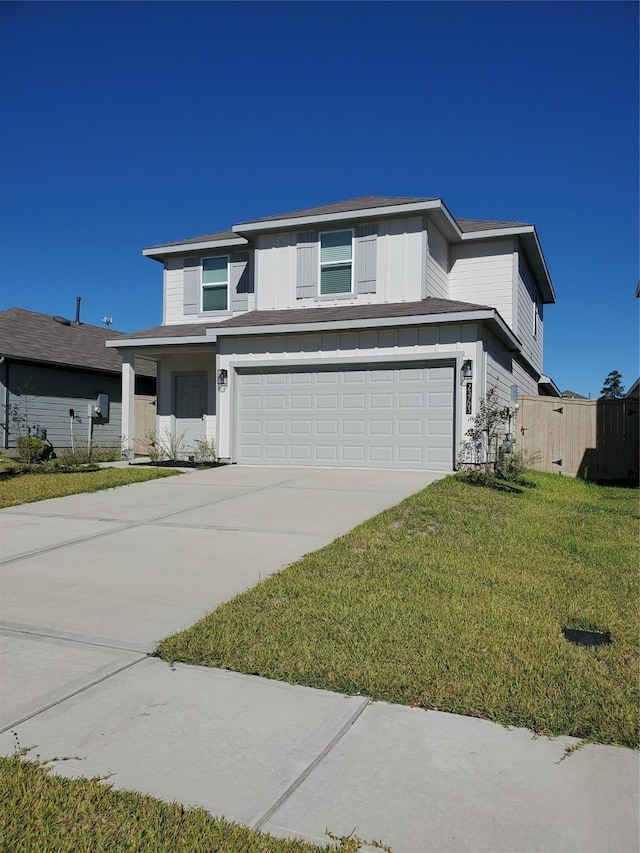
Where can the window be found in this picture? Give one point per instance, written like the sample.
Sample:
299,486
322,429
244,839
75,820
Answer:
215,283
336,255
537,311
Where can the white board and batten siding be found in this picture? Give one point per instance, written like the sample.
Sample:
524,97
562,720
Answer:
316,352
388,265
183,286
483,273
437,263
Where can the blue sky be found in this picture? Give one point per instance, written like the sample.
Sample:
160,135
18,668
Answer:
130,124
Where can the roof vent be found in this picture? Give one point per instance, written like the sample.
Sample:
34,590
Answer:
62,320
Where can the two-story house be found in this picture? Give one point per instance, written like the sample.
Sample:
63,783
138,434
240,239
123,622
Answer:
362,333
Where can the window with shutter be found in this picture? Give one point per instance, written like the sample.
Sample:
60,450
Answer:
215,283
336,267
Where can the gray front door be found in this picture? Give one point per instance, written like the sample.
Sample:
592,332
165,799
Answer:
391,416
190,408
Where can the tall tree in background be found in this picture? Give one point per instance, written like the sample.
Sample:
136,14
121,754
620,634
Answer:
613,387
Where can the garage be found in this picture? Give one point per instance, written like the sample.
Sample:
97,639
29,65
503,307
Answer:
388,416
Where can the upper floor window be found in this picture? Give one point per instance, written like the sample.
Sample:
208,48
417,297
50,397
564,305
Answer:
336,262
215,283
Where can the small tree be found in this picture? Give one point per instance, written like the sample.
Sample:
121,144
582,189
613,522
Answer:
30,448
481,446
613,388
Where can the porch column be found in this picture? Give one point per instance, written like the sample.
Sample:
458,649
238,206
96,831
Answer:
128,405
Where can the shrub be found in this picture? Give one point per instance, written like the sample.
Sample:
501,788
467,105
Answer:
204,450
31,449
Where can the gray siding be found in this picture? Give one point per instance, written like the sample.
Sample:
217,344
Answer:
191,293
55,391
526,381
307,264
531,344
437,263
365,258
241,280
499,368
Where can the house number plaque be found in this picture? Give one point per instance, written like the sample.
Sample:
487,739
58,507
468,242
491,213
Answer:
469,396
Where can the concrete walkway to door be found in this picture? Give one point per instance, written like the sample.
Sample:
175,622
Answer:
90,583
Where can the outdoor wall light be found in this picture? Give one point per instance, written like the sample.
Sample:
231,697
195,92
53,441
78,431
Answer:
467,370
223,379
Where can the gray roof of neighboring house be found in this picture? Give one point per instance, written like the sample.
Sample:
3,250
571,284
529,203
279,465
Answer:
30,336
574,395
367,202
328,314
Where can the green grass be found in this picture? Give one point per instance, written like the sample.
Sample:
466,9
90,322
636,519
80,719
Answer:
455,600
53,814
26,488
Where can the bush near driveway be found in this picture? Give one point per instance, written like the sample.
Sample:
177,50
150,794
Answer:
455,600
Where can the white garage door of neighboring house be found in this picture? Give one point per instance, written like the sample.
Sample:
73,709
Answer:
398,416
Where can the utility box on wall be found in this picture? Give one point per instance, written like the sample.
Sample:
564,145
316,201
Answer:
100,409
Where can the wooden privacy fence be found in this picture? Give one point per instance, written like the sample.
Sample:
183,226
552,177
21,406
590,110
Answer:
595,439
145,421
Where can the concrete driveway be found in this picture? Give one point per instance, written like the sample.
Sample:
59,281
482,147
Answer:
90,583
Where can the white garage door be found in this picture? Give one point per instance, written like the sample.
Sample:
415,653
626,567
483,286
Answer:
383,417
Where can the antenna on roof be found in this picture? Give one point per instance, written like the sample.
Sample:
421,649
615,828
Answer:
107,321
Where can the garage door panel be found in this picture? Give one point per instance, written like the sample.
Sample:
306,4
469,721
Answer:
354,401
411,401
353,427
379,417
381,454
326,427
380,427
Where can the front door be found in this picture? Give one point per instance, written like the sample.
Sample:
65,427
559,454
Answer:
190,409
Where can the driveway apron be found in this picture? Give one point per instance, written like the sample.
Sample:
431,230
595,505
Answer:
91,583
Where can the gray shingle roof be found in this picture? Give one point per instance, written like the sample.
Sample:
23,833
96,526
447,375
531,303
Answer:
365,202
467,225
179,330
573,395
30,336
288,316
204,238
362,203
379,311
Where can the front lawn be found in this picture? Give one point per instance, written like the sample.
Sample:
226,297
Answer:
53,813
455,599
25,488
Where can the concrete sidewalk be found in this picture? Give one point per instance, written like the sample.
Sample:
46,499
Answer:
90,583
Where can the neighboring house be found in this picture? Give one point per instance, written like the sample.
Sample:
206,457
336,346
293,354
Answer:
50,366
573,395
362,333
